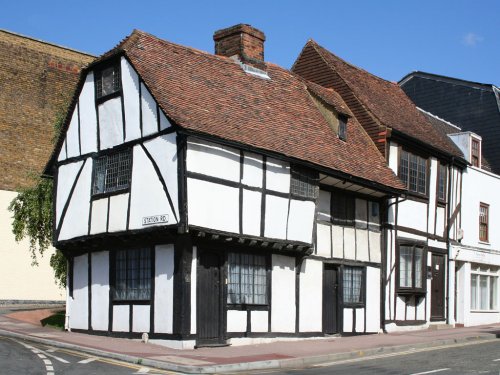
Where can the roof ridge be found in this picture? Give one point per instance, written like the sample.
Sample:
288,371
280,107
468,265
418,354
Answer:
45,42
438,76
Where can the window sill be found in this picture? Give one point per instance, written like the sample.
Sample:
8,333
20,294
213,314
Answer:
407,292
131,302
104,98
484,243
109,194
485,311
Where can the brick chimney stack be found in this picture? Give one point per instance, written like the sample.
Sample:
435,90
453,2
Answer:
243,41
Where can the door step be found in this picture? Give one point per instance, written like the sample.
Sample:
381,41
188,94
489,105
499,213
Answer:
438,326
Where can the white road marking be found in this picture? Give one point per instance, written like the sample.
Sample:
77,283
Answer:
40,355
50,368
431,371
88,360
47,362
496,360
142,370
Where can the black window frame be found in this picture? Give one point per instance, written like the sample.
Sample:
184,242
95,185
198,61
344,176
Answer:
103,163
129,277
362,289
343,208
342,127
235,304
412,289
405,171
304,183
117,81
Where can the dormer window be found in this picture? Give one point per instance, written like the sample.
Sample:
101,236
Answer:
475,155
108,81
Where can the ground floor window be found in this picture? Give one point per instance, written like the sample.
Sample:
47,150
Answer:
483,288
247,283
132,275
352,285
411,268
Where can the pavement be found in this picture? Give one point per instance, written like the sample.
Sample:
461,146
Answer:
277,355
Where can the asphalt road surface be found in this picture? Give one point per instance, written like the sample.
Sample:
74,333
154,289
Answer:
478,358
22,357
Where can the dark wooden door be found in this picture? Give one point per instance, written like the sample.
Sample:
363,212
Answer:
438,287
209,299
330,314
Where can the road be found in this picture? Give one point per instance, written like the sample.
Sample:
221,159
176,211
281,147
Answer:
23,357
478,358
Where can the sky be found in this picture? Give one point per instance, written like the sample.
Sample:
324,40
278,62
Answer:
389,38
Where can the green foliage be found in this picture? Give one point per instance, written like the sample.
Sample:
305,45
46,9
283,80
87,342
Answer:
56,320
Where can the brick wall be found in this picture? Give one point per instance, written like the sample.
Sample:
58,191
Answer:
37,80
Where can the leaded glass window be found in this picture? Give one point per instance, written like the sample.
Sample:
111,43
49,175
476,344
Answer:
112,172
353,285
108,81
442,172
413,172
303,183
247,283
133,274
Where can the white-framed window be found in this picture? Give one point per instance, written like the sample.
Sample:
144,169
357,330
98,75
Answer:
483,288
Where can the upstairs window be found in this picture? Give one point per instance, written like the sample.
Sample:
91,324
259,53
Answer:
247,282
413,172
411,268
343,212
303,183
474,159
112,172
442,174
133,275
483,222
342,127
108,81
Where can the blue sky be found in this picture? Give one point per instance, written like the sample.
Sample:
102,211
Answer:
458,38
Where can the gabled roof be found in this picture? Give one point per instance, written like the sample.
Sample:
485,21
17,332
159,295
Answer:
472,106
37,80
212,95
386,102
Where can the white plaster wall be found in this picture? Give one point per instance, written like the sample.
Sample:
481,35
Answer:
348,322
141,318
349,243
213,205
236,321
121,316
164,288
375,253
393,157
301,220
360,320
421,309
76,220
213,160
148,197
338,241
251,212
259,321
252,169
413,214
480,186
440,221
149,114
118,212
130,87
163,150
311,296
276,217
62,153
194,277
164,122
88,116
19,280
79,318
323,240
66,175
100,290
277,175
99,216
400,308
373,299
110,123
283,294
72,135
362,251
410,310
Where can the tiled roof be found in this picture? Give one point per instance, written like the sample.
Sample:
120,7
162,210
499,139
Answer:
212,95
387,102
